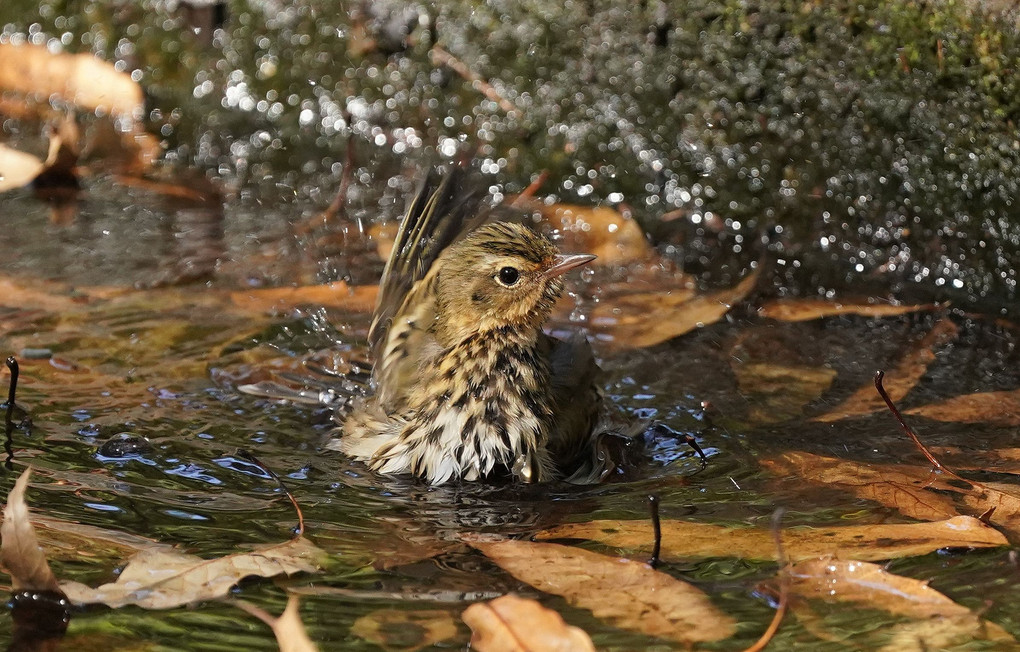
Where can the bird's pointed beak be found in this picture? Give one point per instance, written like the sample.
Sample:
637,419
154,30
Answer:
563,264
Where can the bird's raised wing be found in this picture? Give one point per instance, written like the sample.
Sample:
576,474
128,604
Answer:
442,210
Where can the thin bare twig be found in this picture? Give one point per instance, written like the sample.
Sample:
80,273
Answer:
939,466
784,586
248,457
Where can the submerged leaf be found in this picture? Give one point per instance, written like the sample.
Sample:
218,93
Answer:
643,319
779,392
20,552
900,486
943,622
628,594
405,630
991,408
970,458
901,379
515,624
289,630
71,541
807,309
909,489
160,579
687,540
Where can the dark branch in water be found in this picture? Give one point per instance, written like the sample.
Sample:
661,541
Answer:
662,428
12,364
248,457
693,443
653,503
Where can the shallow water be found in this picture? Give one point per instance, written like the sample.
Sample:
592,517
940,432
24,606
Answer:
136,421
161,365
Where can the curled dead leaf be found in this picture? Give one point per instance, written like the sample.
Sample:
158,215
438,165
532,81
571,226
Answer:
1001,497
515,624
628,594
686,540
915,491
20,552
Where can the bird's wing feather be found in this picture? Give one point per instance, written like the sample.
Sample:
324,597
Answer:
576,395
440,212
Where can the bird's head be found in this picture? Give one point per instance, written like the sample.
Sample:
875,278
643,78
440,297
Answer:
501,275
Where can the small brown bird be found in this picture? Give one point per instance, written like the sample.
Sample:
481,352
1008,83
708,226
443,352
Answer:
467,386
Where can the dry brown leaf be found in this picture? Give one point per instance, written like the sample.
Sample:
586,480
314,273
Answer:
289,630
808,309
79,79
20,553
390,628
160,579
901,379
612,236
870,585
515,624
992,408
628,594
17,168
358,298
687,540
649,318
900,486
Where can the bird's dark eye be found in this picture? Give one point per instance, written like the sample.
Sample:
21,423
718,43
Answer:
508,276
